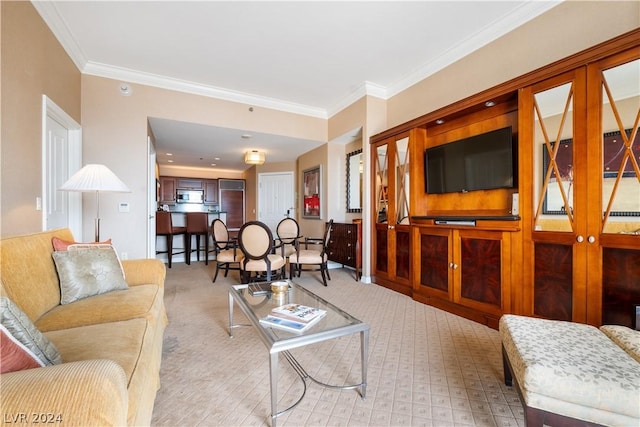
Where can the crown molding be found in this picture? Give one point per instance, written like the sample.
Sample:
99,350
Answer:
491,32
156,80
51,16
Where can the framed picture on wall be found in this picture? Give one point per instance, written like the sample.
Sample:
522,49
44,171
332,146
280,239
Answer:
311,191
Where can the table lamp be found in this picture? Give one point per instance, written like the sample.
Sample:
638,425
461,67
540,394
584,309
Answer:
95,178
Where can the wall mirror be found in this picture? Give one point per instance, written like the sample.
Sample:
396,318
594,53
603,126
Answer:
354,181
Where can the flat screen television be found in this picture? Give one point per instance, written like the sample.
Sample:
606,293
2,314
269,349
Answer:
480,162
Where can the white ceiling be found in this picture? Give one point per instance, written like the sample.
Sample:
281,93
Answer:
306,57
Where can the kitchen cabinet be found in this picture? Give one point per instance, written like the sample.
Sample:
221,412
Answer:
167,190
464,271
210,191
582,245
189,183
345,245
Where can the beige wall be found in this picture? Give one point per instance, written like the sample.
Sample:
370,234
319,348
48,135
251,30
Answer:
33,64
566,29
115,132
115,127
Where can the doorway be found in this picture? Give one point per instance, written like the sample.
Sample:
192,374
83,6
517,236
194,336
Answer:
61,157
276,193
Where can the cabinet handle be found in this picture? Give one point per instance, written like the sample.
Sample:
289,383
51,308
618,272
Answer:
453,265
391,227
580,239
591,239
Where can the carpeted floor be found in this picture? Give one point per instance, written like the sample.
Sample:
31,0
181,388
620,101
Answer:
426,367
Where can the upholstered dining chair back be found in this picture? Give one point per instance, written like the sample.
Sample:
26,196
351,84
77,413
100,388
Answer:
313,256
256,242
228,255
288,231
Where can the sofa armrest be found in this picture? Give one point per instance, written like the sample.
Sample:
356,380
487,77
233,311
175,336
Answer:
144,272
84,393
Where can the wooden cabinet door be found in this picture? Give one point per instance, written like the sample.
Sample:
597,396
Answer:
189,183
210,191
433,263
167,189
481,280
392,236
613,224
582,247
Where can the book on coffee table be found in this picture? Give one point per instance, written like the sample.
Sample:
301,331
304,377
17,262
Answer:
289,325
298,312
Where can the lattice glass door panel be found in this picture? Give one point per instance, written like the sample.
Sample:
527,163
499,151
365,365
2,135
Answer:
621,149
382,183
402,180
554,160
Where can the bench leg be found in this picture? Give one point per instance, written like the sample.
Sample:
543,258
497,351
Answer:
508,379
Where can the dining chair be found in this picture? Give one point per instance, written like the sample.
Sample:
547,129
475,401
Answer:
288,232
260,262
164,227
228,254
312,257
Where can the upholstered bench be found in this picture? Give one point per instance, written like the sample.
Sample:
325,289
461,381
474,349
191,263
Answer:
570,373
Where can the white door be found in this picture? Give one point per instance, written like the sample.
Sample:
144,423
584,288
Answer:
152,205
61,156
275,197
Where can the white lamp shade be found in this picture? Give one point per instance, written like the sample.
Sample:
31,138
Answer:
254,157
95,178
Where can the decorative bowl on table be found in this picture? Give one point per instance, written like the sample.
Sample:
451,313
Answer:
279,287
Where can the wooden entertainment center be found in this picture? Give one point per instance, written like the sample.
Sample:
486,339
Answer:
568,246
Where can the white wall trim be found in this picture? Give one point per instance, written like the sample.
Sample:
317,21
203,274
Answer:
51,109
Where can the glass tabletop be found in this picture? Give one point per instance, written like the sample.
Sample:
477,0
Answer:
335,323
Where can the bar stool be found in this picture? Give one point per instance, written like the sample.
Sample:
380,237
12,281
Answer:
197,225
164,227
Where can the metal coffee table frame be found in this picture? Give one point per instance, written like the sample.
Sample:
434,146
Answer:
336,323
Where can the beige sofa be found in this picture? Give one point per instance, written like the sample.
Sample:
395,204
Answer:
110,344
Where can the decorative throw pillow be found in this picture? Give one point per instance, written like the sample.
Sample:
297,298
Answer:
14,356
63,245
20,327
84,273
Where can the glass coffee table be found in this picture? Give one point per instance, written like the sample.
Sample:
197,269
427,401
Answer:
336,323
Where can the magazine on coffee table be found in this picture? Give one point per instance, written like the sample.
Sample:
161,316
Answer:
289,325
297,312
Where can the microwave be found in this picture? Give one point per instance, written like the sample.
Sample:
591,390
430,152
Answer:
190,196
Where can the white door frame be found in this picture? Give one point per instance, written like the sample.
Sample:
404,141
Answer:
50,109
152,205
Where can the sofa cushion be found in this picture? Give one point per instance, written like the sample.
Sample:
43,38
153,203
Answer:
130,343
85,273
141,301
14,356
26,264
626,338
62,245
20,327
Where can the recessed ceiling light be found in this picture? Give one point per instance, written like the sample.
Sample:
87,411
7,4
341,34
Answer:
489,103
213,164
246,136
439,121
170,161
169,154
216,158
